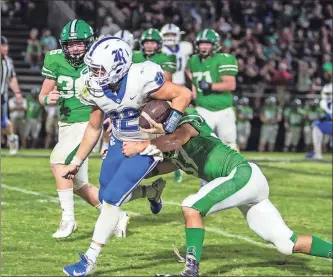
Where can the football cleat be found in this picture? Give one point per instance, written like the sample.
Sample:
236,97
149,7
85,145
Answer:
66,228
156,202
312,155
13,145
84,267
121,228
178,176
191,269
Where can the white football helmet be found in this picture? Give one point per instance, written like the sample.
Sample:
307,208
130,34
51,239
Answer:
126,36
326,93
171,29
108,59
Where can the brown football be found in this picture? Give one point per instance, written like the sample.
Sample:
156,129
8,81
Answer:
157,110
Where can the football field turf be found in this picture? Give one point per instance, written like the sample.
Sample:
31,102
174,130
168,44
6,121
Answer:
300,189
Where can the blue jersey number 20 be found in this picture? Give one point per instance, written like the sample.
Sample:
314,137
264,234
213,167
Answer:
122,120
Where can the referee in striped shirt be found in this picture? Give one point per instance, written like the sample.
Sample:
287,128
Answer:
8,78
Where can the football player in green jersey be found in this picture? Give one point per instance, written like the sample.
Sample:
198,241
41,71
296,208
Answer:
244,116
312,112
293,121
233,182
64,72
151,46
270,116
213,80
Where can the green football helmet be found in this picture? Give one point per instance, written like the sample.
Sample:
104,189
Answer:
208,35
76,30
151,35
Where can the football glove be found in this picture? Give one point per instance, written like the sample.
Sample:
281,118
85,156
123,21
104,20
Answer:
205,87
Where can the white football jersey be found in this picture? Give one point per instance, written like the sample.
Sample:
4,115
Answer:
124,107
182,52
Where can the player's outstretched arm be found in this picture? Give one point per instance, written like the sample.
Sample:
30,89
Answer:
90,138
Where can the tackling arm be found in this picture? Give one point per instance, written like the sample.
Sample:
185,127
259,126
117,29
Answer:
167,76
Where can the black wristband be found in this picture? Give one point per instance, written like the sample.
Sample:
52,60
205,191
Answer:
171,123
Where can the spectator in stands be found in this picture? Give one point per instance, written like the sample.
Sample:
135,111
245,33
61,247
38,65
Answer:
303,77
109,27
33,118
17,108
34,50
48,42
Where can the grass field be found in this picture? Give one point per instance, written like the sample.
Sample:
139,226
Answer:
301,190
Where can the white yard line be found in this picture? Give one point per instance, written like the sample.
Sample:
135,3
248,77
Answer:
52,199
171,203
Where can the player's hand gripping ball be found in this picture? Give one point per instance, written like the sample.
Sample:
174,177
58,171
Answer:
153,116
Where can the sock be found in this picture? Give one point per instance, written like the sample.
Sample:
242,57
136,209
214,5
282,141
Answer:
143,192
138,192
98,206
105,146
93,252
11,137
66,198
106,222
317,137
321,248
194,241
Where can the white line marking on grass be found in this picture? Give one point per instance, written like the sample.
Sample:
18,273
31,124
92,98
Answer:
171,203
52,199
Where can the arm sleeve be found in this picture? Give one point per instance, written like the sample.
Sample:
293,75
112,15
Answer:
170,63
49,69
153,77
227,65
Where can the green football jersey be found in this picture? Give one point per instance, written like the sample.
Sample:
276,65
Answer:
205,155
70,82
166,61
312,115
34,108
246,111
211,70
270,113
295,118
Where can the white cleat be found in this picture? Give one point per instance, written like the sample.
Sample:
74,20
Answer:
66,228
13,145
121,228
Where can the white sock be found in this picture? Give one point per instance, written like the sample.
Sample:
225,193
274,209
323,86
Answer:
99,206
66,198
317,137
106,222
93,252
11,138
105,146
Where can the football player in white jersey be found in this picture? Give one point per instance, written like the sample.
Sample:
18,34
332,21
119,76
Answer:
126,36
120,89
183,50
129,38
322,126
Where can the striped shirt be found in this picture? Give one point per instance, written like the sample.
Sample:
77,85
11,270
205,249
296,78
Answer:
7,72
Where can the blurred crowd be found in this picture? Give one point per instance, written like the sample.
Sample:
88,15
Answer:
282,47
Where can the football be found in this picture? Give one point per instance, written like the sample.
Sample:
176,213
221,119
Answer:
157,110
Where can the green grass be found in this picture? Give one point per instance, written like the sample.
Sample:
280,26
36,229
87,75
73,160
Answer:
303,196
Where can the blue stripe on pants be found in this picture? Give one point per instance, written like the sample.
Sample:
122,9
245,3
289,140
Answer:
120,174
4,118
